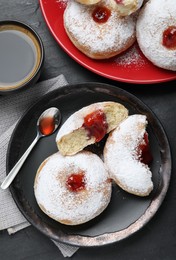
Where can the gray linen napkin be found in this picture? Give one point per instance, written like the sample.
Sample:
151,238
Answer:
12,108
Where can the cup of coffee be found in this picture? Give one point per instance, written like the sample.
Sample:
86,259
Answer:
21,56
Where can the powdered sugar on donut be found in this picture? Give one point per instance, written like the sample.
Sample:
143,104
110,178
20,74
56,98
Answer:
76,120
126,7
63,205
153,20
112,36
121,157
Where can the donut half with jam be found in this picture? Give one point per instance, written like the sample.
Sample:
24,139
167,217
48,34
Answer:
89,125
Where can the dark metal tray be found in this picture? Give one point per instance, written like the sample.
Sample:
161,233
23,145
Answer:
126,213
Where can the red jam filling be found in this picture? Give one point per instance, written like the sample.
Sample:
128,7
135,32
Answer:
169,37
96,124
101,14
119,1
144,151
76,182
47,125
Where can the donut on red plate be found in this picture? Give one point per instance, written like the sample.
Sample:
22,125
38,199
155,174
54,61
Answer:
126,7
72,189
127,155
88,2
156,32
97,30
89,125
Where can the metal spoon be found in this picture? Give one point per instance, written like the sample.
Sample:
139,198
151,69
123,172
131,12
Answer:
47,123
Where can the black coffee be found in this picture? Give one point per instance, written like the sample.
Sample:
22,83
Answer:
18,57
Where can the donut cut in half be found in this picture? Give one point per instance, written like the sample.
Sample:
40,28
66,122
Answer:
89,125
123,156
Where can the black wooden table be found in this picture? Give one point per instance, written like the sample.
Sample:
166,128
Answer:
157,240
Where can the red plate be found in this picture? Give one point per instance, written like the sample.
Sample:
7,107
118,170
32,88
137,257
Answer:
131,67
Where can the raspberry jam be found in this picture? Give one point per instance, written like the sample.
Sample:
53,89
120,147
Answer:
144,151
96,124
101,14
76,182
169,37
119,1
47,125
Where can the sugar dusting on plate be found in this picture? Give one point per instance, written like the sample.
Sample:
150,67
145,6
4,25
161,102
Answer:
131,57
63,3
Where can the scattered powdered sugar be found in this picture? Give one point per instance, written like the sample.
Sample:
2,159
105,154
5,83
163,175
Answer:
121,159
130,58
63,3
54,197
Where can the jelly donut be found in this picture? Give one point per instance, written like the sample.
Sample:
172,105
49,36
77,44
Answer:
156,33
89,125
126,7
97,30
72,189
88,2
123,156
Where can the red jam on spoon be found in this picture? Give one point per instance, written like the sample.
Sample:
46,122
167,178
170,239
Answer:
144,151
169,37
47,125
96,124
76,182
101,14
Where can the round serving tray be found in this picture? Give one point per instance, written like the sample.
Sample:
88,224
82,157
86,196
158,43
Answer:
126,213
